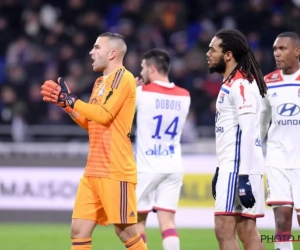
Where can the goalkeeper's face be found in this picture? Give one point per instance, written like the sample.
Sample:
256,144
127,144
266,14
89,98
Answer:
100,54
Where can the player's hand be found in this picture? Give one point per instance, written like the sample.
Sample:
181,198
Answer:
245,191
58,93
139,81
214,183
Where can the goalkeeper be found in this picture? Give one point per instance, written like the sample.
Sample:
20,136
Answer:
106,192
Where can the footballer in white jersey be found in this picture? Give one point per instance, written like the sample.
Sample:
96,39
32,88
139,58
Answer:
236,98
237,184
280,121
282,108
162,109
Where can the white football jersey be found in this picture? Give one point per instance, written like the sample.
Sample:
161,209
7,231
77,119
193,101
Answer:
162,109
235,98
283,105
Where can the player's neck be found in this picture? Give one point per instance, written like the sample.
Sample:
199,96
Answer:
291,70
111,68
229,68
160,78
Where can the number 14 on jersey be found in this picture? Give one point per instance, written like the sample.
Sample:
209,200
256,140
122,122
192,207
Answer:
170,130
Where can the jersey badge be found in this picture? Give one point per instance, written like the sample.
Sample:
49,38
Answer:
274,76
221,98
101,91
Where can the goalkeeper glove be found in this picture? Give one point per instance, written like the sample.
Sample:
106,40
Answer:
245,191
214,183
59,94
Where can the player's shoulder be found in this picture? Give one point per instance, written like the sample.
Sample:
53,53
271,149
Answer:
241,79
121,76
128,75
98,80
156,88
273,77
235,80
241,85
139,91
181,91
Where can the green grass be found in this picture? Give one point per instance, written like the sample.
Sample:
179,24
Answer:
56,237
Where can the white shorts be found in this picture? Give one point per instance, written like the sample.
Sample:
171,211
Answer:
283,187
227,199
157,191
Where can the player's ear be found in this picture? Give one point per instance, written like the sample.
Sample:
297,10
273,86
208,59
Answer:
298,52
228,56
152,69
112,55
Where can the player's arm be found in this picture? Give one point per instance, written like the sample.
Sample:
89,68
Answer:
248,136
79,119
56,92
245,102
265,118
105,112
189,103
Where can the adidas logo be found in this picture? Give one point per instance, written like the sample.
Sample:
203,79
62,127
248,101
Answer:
132,214
238,207
274,94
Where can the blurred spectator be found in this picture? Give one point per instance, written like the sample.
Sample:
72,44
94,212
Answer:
36,107
46,39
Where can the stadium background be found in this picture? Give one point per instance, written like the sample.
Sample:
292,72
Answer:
42,152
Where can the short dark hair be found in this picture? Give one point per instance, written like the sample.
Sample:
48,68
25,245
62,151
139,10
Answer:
112,35
159,58
236,42
291,35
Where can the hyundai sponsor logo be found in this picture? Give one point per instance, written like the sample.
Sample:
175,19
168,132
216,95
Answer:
288,109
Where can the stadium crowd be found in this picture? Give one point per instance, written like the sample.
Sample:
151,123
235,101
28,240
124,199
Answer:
46,39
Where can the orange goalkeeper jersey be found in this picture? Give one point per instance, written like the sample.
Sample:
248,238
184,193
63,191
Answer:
110,112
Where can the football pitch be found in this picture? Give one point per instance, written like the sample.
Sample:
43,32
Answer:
56,237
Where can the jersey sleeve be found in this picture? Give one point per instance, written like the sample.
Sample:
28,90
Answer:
243,97
188,103
120,89
265,117
247,124
81,121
